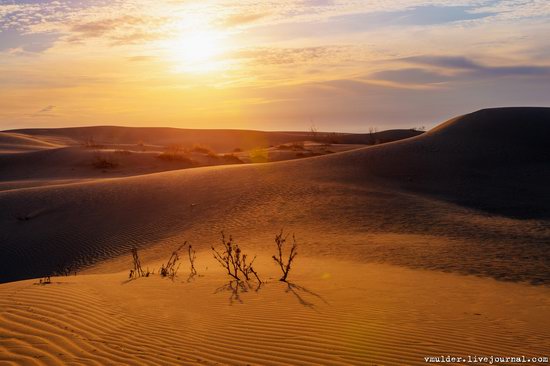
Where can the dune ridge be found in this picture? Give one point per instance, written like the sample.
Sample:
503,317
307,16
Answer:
221,140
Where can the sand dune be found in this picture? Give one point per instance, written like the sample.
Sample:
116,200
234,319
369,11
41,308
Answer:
219,140
335,313
339,204
16,142
59,156
495,160
466,197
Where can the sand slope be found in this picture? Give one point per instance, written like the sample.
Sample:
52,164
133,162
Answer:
495,160
15,142
347,205
334,313
461,198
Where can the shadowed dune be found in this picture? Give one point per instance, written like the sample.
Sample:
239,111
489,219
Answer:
11,142
494,160
391,203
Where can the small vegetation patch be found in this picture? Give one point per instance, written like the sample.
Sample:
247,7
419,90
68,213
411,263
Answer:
231,159
201,149
231,257
170,269
137,271
284,264
175,153
104,162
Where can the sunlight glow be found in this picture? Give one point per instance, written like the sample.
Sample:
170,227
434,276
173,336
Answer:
198,51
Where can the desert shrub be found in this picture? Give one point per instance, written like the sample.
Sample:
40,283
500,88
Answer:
231,159
192,257
233,260
373,131
280,241
104,162
45,280
180,157
90,142
332,138
203,150
170,269
137,271
175,152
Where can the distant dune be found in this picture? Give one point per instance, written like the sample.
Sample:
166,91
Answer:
11,142
39,157
219,140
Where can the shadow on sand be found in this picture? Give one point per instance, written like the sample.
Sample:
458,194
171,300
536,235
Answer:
236,288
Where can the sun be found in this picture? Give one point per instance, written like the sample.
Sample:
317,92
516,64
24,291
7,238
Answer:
199,50
200,46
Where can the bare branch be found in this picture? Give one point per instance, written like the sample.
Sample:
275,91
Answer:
285,266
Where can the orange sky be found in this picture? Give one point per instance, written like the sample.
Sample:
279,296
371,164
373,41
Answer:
338,65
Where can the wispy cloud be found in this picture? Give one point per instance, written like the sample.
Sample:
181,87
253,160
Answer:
480,70
240,19
43,112
342,60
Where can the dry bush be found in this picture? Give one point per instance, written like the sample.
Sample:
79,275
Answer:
170,269
104,162
280,241
298,145
175,152
203,150
180,157
192,257
231,159
373,131
91,143
45,280
234,261
137,271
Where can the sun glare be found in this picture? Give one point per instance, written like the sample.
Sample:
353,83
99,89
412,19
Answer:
198,51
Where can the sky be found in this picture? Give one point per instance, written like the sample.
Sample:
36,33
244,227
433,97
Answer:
336,65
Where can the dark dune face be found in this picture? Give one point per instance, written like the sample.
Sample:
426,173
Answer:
435,193
495,160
